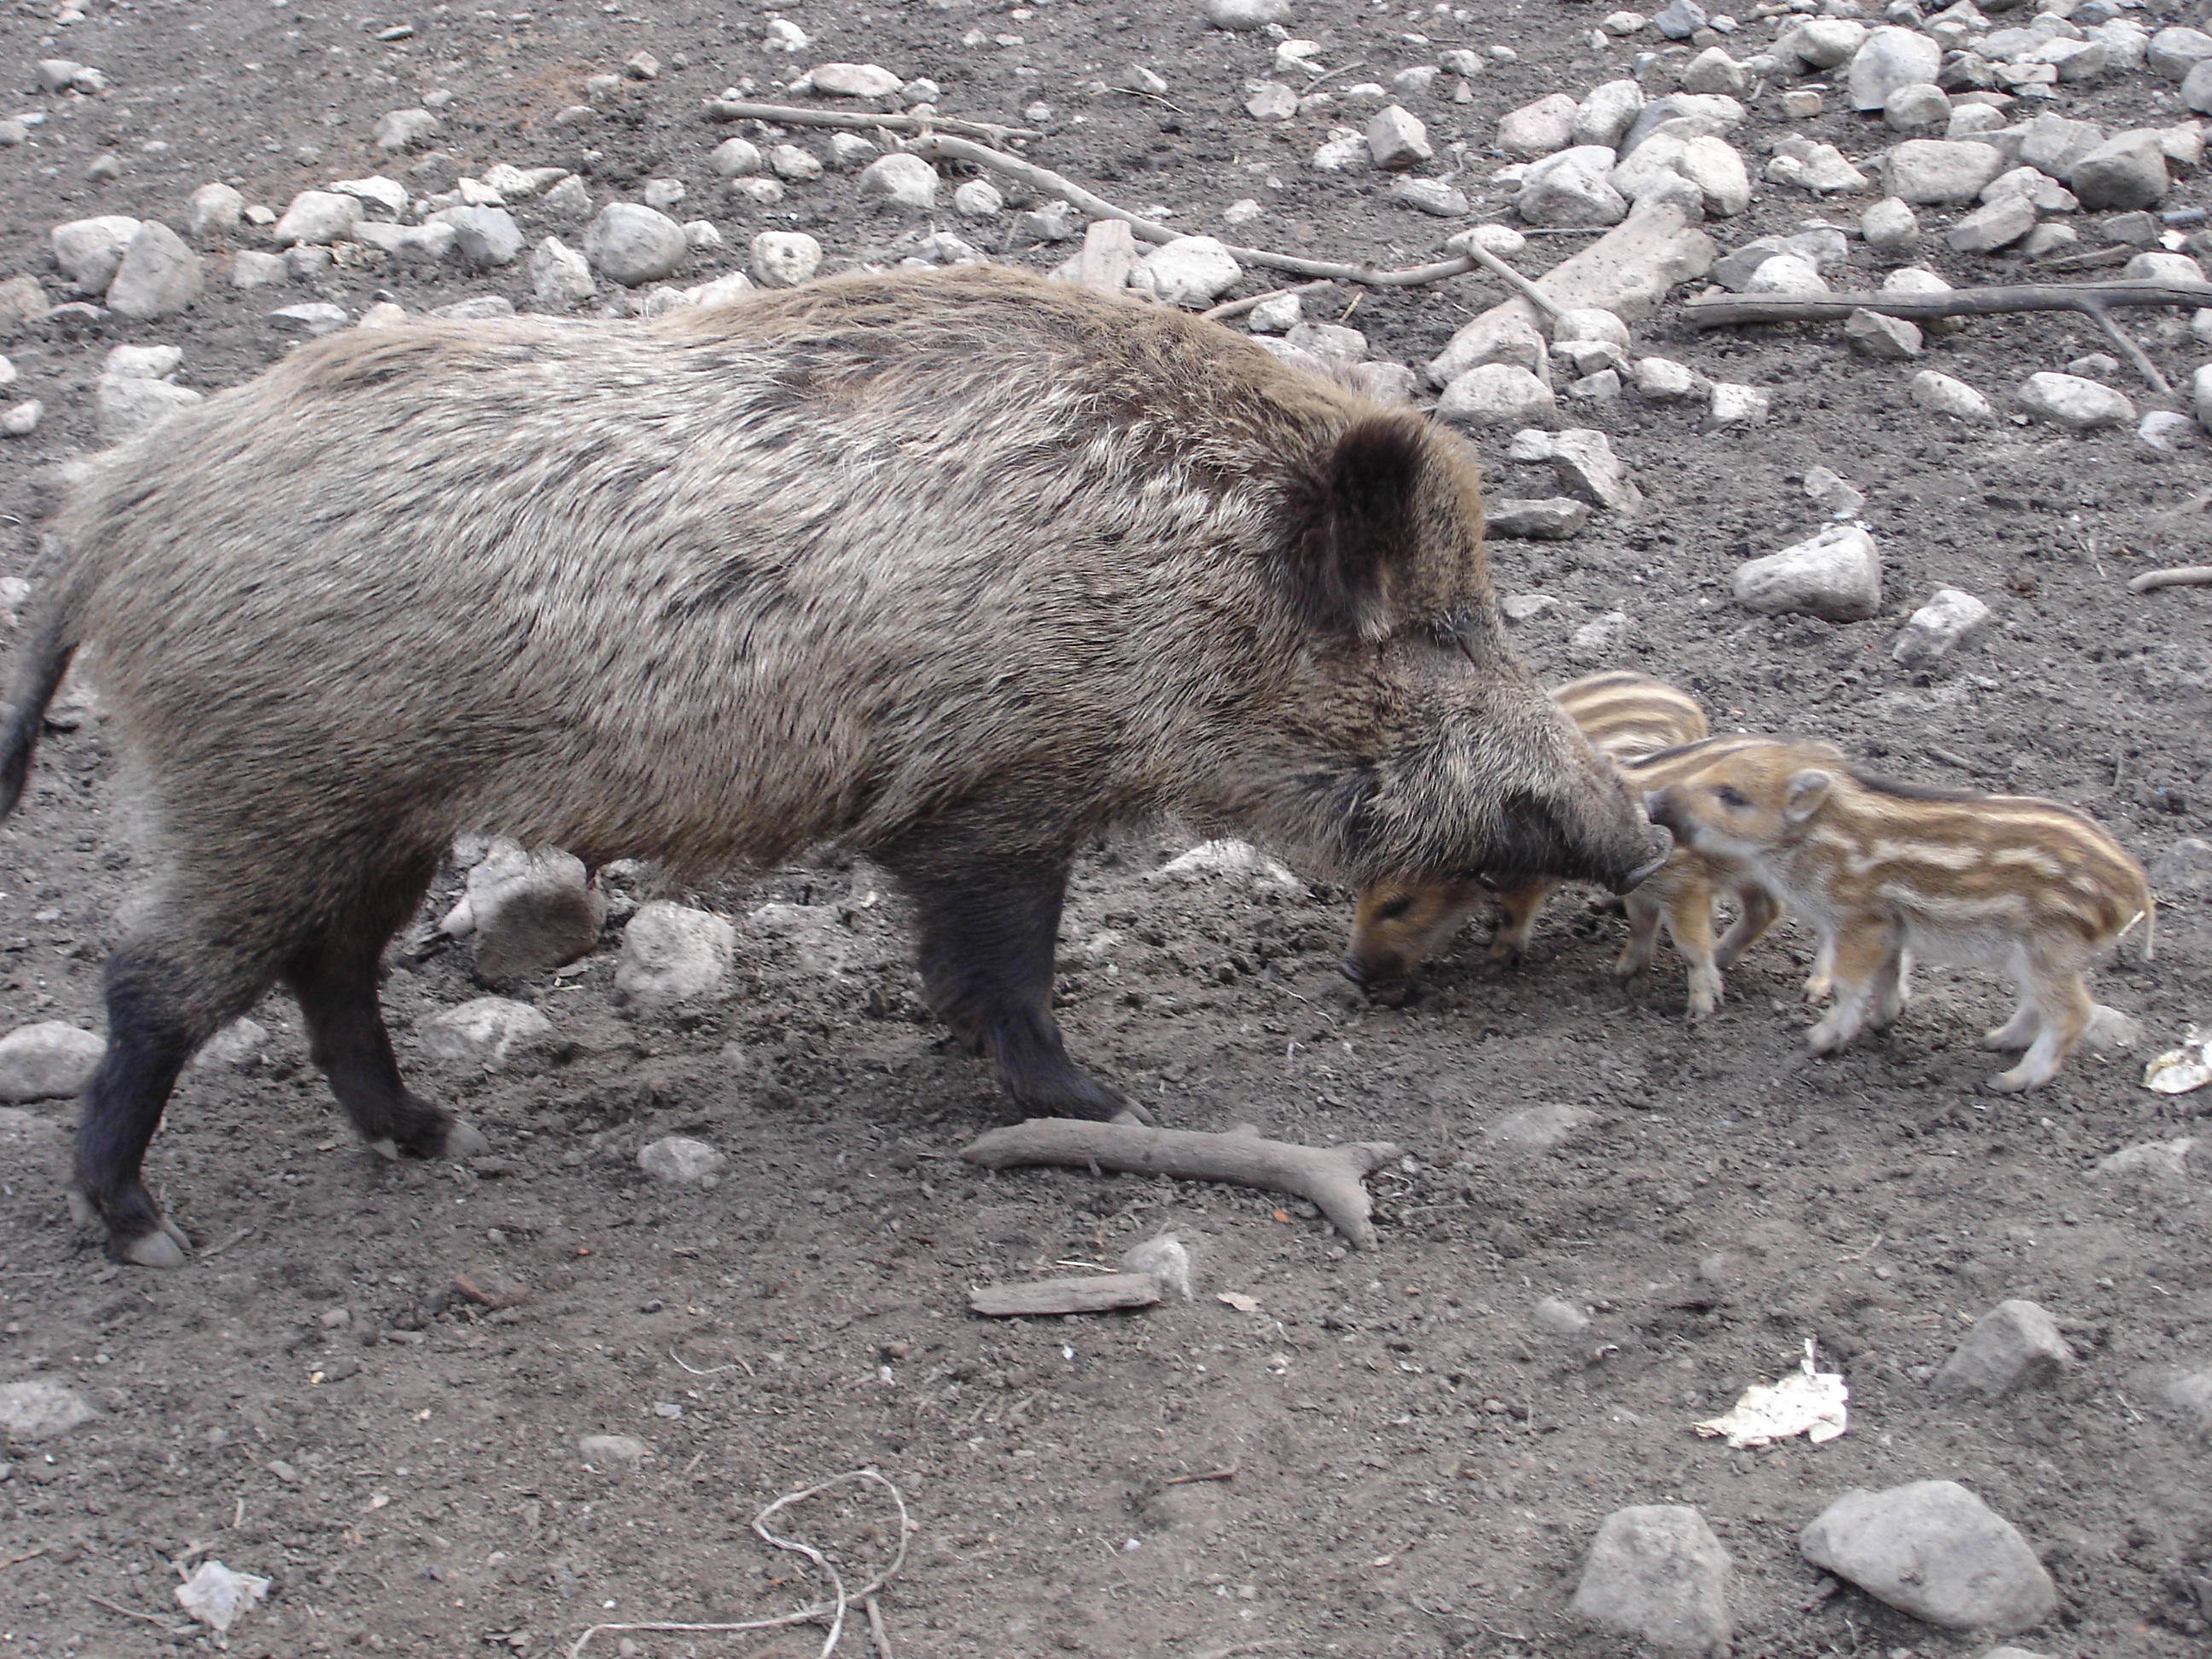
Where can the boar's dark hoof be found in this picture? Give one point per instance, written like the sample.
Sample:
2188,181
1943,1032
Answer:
461,1139
164,1246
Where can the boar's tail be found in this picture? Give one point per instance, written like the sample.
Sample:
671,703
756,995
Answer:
46,659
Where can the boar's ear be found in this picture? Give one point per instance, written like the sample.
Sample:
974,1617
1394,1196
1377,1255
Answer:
1351,525
1803,795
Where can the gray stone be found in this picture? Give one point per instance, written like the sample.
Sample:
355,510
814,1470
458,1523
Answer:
1270,101
1504,336
1537,1128
50,1060
2048,240
1890,58
2173,52
2163,428
2196,87
1539,128
559,274
2052,143
1495,394
978,199
1679,19
1431,196
2078,405
159,276
1890,227
213,211
1940,171
2016,1344
527,911
1245,15
249,268
1944,395
2200,385
1714,71
1997,225
1664,381
1713,165
2075,60
1397,140
403,129
1915,106
798,165
389,193
129,404
1655,1571
1582,459
487,1032
2143,268
681,1162
1276,316
1560,1318
784,258
1329,340
1344,151
485,236
317,217
2152,1161
2048,195
39,1410
1888,340
630,244
1786,273
1686,115
568,200
1191,271
1823,43
1598,640
613,1451
1561,193
1555,519
2126,171
304,264
903,181
735,158
1835,575
90,251
1819,168
1934,1550
1729,403
1605,116
1948,617
21,420
853,79
670,952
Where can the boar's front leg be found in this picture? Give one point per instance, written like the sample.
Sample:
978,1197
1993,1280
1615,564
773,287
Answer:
988,926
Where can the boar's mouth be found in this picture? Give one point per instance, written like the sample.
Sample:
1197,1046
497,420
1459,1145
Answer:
1537,846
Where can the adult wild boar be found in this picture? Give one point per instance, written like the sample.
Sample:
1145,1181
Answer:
951,570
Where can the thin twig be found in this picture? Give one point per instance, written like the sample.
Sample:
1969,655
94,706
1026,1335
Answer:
1331,75
833,1610
1228,1474
1514,280
882,1636
1222,314
129,1612
2182,575
738,109
695,1372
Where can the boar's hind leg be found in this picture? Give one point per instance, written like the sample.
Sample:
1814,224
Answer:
334,978
986,930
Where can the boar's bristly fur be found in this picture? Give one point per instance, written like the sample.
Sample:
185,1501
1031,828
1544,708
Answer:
953,570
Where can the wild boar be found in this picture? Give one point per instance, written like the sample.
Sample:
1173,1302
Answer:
1887,870
951,570
1640,724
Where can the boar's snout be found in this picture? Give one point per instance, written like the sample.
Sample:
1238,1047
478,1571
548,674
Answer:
1662,848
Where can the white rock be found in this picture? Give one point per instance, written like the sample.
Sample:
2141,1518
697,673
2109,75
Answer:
213,211
1819,168
670,952
622,1450
2176,50
1914,106
630,244
317,217
1997,225
1191,271
487,1032
129,404
1560,1318
1730,403
1561,193
21,420
1269,100
2200,395
559,274
1586,467
1713,70
977,199
1835,574
1713,165
905,181
1604,117
528,911
1496,394
2015,1345
1664,381
1786,273
520,184
50,1060
1937,626
1217,859
2150,1161
129,362
735,158
1940,171
1245,15
39,1410
1889,339
1934,1550
2078,405
1890,227
90,251
1599,640
720,290
2143,268
2128,170
2162,429
1589,322
1344,151
1276,316
1396,139
1945,396
1890,58
798,165
1537,1128
784,258
1539,128
484,237
1503,241
1658,1572
681,1162
403,129
1823,43
387,193
853,79
238,1045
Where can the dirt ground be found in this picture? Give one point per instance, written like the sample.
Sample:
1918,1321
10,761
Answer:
1400,1458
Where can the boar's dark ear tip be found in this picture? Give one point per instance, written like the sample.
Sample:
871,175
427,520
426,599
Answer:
1375,447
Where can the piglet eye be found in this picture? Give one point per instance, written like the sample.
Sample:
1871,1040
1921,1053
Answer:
1729,797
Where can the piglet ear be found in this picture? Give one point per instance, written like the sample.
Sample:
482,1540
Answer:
1803,795
1351,525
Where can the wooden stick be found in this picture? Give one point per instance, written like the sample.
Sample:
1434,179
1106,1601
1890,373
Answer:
2182,575
1038,1298
1237,307
737,109
1329,1177
1514,280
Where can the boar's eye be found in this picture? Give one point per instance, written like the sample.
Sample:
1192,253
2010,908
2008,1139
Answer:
1729,797
1395,908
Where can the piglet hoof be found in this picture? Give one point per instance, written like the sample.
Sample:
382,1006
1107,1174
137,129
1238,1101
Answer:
165,1247
464,1140
2019,1080
387,1149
